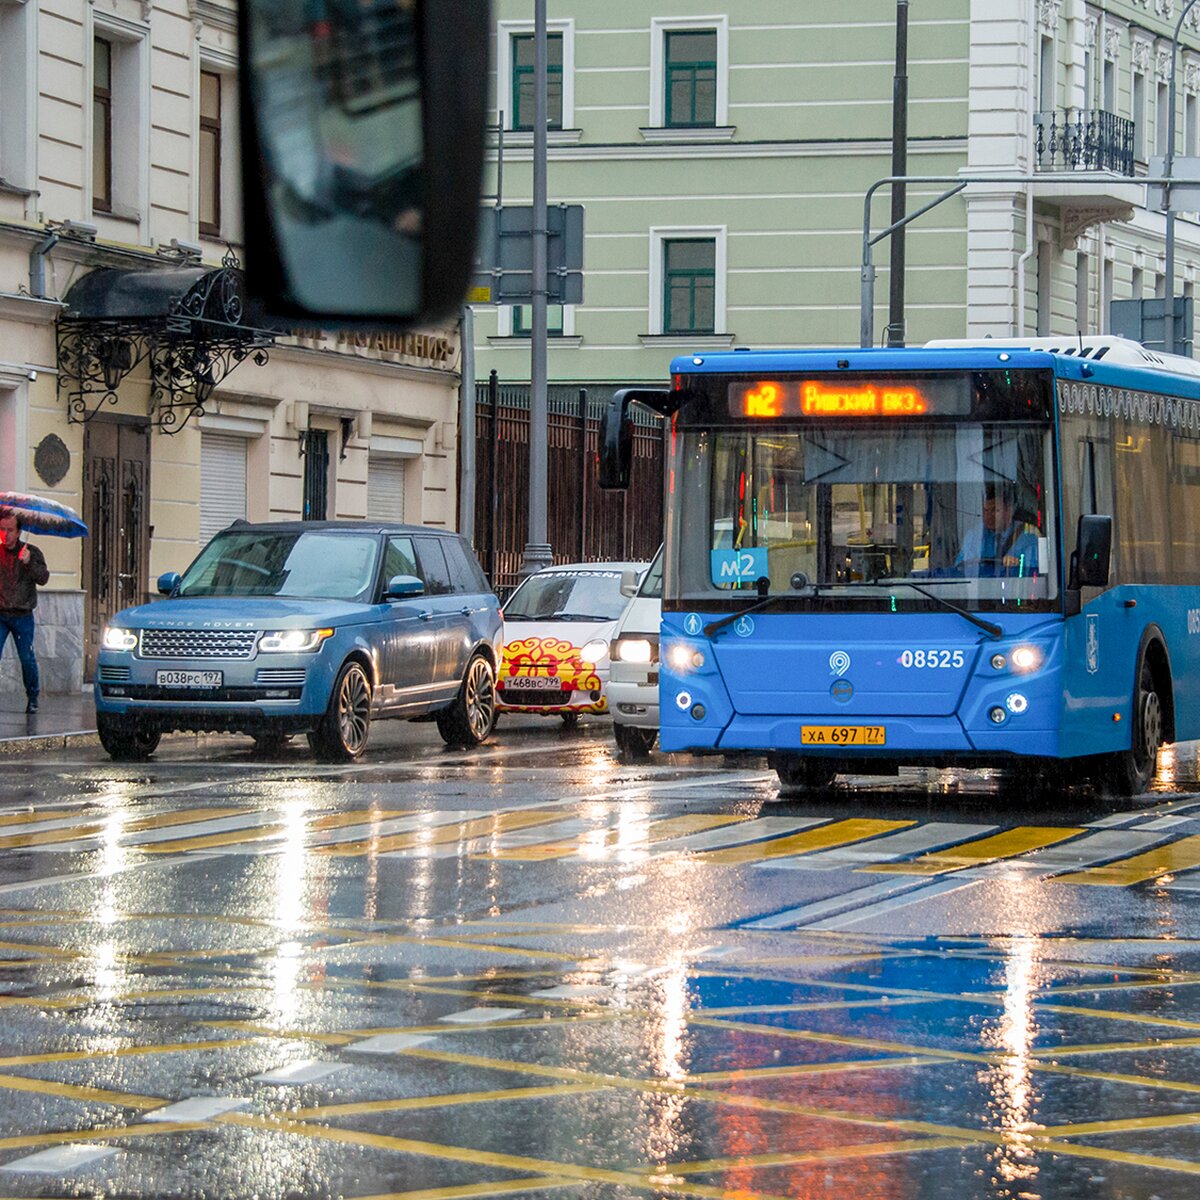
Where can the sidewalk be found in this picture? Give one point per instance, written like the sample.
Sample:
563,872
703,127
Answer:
60,721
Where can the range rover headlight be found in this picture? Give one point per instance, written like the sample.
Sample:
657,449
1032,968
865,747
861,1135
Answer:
594,651
116,638
293,641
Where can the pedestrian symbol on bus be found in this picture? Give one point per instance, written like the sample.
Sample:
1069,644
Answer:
1093,643
692,624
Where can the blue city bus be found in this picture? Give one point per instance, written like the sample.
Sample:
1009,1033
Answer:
977,555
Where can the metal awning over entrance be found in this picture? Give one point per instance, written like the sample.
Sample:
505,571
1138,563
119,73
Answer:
185,321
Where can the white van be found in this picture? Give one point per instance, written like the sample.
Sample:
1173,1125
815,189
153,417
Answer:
633,665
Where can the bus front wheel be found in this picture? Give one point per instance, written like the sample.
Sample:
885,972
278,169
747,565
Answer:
798,775
1130,772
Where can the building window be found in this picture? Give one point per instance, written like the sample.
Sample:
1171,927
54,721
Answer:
689,285
523,99
1139,115
1081,292
1046,75
1190,142
1162,119
210,153
522,320
690,78
1136,284
102,125
386,481
1044,266
17,56
1110,86
222,482
316,475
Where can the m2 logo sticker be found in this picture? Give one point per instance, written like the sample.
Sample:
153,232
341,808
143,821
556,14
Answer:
738,566
1092,643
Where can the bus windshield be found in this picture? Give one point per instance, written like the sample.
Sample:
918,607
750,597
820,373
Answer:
963,508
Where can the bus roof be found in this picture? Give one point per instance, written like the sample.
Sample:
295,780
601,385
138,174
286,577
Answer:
1073,357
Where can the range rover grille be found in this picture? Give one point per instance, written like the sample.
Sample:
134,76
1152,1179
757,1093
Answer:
198,643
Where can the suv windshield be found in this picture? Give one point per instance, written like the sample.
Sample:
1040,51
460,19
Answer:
335,566
568,596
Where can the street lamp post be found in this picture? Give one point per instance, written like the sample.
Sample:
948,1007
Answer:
1169,288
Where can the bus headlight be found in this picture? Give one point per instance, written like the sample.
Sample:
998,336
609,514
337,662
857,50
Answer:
1026,659
684,659
293,641
594,651
116,638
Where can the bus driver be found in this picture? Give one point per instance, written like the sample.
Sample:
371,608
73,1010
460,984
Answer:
1000,545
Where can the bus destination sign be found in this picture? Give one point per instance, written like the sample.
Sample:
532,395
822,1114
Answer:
835,397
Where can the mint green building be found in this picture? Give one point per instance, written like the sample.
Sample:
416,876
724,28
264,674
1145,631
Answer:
723,157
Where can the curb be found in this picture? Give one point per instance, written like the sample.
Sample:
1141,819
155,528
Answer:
47,741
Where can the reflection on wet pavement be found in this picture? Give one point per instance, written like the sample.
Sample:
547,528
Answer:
515,976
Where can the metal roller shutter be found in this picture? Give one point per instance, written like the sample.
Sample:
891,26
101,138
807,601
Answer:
222,482
385,489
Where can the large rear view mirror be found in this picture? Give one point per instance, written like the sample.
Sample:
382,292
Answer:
1093,553
362,135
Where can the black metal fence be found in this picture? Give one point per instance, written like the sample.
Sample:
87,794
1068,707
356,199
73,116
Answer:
584,523
1083,139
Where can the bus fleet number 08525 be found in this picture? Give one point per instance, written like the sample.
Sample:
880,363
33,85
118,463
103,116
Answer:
937,659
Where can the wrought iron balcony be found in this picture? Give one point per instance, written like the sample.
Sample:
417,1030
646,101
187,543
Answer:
1083,139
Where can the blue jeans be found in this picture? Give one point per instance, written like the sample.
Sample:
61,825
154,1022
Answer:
21,629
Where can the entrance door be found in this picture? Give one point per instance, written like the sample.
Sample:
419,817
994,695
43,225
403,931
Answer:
116,507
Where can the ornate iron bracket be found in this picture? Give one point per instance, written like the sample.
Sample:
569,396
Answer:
191,348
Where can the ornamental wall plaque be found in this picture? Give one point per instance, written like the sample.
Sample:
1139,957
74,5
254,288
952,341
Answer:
52,460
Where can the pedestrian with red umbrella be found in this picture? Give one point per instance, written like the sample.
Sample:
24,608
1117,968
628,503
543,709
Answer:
22,571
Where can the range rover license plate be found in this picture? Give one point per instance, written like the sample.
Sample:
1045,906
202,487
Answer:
190,679
843,735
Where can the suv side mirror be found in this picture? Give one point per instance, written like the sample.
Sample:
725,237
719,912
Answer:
168,582
1093,551
362,129
629,582
400,586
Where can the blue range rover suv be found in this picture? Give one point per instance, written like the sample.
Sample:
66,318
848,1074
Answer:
313,627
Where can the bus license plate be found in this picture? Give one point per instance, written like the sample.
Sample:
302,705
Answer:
190,679
843,735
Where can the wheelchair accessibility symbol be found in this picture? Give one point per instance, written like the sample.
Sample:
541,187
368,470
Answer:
692,624
743,626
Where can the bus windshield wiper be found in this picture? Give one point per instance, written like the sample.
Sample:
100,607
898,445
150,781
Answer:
987,626
801,584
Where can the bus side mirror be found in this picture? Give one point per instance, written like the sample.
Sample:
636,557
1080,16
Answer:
1093,551
616,442
362,128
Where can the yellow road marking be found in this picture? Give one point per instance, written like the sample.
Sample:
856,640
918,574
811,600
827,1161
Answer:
261,833
1162,860
439,835
1104,1154
1128,1124
819,1068
48,1087
116,826
29,1141
838,833
449,1100
788,1158
466,1191
1006,844
642,835
27,1060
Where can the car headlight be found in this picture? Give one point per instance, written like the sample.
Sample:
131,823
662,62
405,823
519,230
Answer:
293,641
116,638
594,650
633,650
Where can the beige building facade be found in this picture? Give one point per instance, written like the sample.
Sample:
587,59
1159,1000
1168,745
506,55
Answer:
119,178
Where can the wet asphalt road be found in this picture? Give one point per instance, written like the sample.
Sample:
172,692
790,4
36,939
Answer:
532,971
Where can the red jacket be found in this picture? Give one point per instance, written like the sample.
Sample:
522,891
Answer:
19,581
